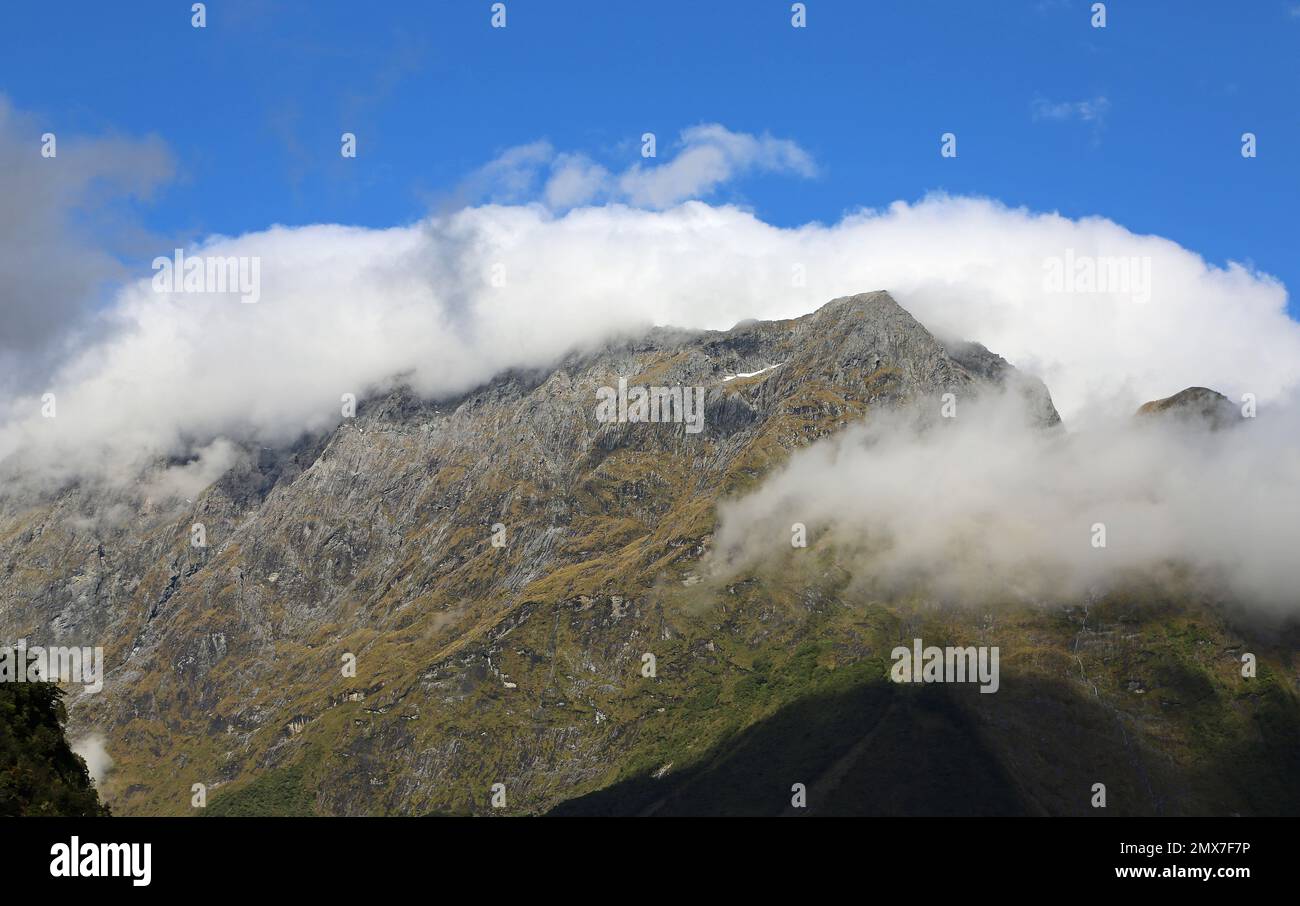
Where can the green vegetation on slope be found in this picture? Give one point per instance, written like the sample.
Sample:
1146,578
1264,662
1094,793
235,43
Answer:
39,772
281,792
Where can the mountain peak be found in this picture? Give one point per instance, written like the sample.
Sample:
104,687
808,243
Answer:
878,297
1194,404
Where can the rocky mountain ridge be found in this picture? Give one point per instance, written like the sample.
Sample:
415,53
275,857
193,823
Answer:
497,568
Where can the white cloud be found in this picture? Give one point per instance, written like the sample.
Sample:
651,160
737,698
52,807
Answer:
348,309
512,175
711,155
1092,110
188,479
94,750
708,157
575,180
983,507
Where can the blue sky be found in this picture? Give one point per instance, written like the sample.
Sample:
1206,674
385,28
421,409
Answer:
1139,122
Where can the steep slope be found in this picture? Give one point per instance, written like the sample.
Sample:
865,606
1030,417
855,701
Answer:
522,664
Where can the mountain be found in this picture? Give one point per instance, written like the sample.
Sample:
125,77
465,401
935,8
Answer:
499,565
1195,404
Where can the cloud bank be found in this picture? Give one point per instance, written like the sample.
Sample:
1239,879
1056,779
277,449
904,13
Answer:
452,301
985,507
447,303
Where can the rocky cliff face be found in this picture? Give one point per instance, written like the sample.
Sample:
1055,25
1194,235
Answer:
504,569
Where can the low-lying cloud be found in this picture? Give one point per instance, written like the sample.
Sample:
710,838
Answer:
987,506
93,749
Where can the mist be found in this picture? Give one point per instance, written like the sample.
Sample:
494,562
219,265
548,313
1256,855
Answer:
93,749
987,506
